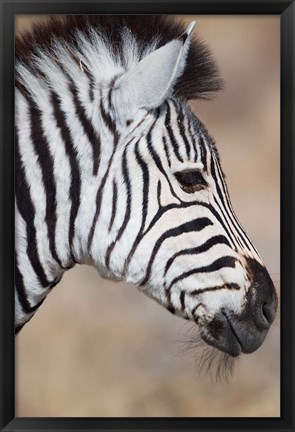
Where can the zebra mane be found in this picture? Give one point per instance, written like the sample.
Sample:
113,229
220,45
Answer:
127,39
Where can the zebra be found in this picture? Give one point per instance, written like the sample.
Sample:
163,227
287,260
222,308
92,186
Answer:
114,170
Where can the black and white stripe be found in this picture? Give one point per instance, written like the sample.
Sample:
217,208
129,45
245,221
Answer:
95,180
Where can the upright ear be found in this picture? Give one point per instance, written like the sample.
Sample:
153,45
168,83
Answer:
149,83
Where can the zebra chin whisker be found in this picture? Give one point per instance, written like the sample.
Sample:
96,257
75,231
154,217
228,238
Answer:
209,361
215,363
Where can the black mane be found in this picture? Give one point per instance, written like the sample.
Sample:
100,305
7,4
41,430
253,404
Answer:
199,80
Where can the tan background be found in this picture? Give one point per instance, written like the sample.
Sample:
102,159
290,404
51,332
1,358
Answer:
97,348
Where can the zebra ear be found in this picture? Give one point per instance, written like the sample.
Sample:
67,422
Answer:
149,83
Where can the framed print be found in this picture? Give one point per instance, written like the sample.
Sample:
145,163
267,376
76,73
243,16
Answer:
152,143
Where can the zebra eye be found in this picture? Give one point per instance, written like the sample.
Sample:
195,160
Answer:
191,180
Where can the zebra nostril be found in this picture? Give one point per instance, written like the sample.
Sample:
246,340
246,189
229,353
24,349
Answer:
265,314
268,311
262,296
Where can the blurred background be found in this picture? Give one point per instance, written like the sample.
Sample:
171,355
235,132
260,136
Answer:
98,348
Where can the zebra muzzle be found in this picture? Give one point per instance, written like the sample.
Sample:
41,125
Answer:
244,332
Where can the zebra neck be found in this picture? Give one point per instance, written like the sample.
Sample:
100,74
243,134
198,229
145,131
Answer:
64,151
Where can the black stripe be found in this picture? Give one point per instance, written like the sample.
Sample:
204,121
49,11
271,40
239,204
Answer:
159,189
98,202
27,211
169,304
182,300
145,202
108,121
127,210
192,226
181,127
228,286
219,239
204,152
223,262
91,91
20,86
46,163
89,75
193,136
21,292
145,185
75,188
92,135
91,84
184,137
114,204
110,90
175,144
166,151
171,308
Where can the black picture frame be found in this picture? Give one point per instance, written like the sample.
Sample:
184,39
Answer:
286,10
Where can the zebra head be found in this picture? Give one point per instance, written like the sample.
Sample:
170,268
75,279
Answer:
113,169
172,229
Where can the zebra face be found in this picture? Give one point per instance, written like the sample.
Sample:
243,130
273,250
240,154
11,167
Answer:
113,169
182,243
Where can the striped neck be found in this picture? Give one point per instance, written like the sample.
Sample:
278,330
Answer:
64,151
